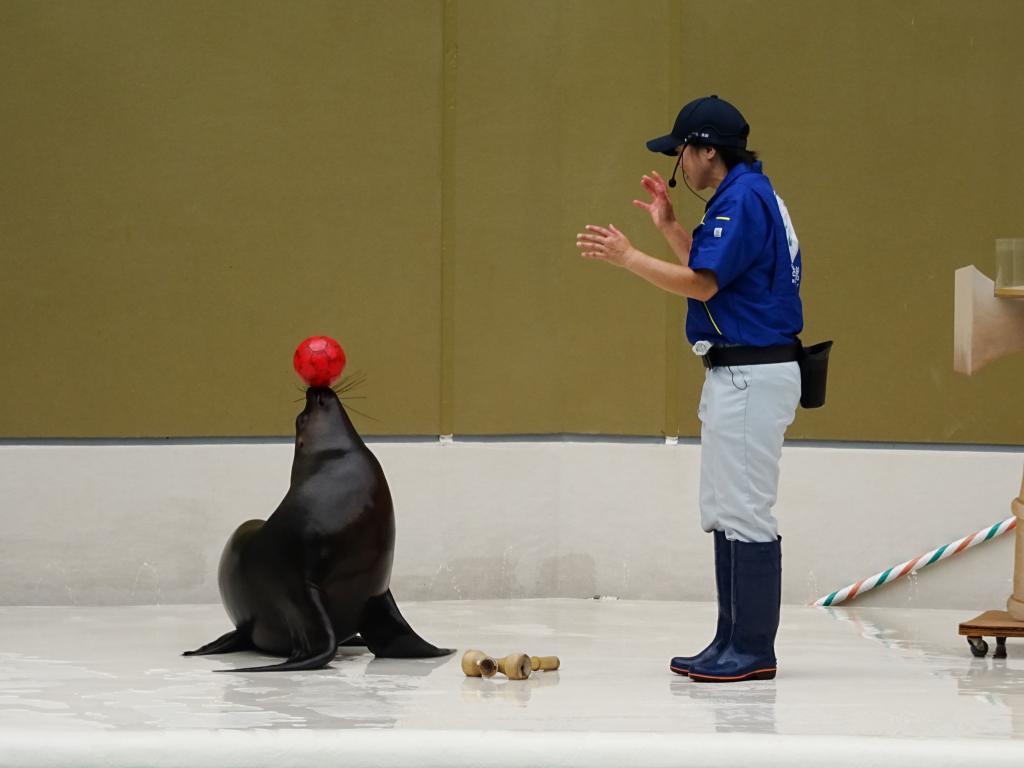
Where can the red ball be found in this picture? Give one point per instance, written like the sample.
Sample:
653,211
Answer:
319,361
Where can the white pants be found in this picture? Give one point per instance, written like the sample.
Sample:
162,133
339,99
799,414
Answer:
744,411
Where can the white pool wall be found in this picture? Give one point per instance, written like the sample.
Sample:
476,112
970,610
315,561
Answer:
144,522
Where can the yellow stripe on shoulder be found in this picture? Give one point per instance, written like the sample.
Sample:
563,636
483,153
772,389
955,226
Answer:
722,218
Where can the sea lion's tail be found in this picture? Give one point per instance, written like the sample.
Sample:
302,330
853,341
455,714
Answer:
318,661
310,652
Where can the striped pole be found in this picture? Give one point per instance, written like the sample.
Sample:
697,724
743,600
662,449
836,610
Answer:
913,566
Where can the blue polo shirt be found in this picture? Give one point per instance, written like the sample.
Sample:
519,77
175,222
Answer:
747,239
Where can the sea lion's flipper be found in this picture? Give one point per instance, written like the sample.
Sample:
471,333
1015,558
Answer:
389,636
235,640
313,644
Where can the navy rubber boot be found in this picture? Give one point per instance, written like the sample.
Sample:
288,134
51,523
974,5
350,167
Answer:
756,595
723,581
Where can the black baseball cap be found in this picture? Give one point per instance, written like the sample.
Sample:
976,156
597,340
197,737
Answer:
707,120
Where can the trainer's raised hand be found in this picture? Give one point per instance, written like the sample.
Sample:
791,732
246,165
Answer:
660,207
606,244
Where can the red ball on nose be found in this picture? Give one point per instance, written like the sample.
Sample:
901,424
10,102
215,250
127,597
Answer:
319,361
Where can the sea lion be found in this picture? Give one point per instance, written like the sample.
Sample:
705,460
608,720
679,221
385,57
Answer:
316,575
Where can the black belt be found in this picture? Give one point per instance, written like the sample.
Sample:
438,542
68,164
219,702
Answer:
724,356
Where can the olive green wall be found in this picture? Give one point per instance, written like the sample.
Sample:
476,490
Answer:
190,188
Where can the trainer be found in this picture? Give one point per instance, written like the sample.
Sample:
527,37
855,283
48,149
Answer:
740,273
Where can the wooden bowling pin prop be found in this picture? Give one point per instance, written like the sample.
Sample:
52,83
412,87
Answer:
544,663
478,664
515,666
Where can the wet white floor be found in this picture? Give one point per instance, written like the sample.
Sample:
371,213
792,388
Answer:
107,686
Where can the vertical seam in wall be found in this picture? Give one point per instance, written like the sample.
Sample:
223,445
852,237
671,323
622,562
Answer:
672,302
672,383
449,45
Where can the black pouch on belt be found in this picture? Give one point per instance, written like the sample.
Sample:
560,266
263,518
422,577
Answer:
814,374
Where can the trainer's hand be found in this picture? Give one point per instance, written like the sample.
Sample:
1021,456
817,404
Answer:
660,207
606,244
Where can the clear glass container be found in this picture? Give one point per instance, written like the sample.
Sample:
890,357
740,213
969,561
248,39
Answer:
1010,268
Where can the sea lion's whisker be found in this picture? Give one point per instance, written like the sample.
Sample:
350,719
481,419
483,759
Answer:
364,415
348,384
353,378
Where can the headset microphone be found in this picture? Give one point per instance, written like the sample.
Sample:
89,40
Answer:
672,181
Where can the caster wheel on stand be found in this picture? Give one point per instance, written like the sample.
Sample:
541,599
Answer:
997,624
978,646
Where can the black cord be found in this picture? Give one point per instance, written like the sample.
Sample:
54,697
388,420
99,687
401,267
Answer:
675,169
687,183
732,375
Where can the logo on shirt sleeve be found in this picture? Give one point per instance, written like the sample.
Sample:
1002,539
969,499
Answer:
718,232
791,241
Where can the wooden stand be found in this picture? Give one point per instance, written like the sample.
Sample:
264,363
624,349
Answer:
1009,623
997,624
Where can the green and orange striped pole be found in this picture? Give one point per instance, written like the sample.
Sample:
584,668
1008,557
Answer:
913,566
